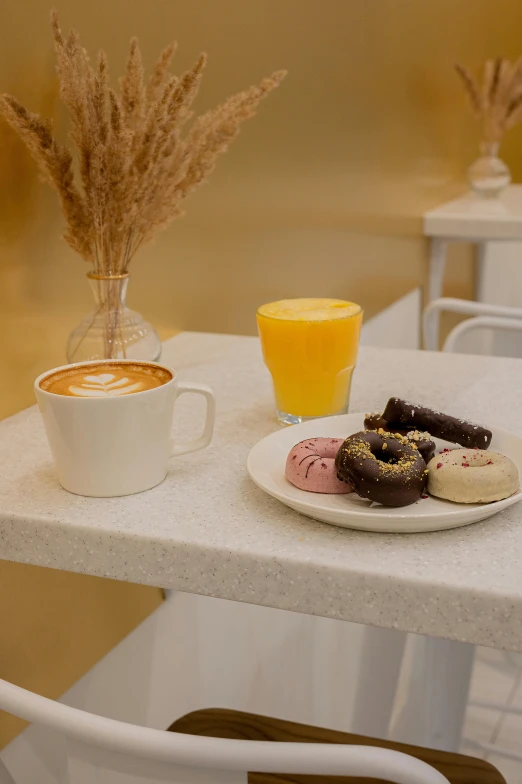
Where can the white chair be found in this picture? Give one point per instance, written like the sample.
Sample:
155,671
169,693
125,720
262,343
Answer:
482,316
98,747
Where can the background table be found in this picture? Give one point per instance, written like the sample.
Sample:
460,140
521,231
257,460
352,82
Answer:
471,219
208,530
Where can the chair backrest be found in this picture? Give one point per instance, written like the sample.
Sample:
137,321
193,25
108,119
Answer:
98,742
486,316
479,322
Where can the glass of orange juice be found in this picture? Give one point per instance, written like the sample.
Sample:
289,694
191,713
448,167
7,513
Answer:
310,348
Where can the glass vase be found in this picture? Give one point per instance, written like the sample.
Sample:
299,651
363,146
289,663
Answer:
489,175
112,330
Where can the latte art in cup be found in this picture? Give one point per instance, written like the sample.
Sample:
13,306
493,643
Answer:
109,424
108,379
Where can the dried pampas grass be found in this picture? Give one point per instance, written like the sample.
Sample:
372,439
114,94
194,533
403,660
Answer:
496,97
136,165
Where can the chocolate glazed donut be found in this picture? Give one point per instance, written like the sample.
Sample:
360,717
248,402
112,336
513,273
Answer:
384,468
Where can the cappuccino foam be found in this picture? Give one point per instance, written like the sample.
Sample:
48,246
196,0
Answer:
106,379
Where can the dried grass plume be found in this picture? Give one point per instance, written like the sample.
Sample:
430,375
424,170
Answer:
495,97
136,161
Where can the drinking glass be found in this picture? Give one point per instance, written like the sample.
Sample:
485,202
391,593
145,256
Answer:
310,348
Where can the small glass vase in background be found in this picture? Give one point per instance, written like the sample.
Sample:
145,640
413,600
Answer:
111,330
489,175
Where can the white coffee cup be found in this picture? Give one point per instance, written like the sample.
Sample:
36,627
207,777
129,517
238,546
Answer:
113,446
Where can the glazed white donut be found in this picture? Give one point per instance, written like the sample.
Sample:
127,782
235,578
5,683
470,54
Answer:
472,476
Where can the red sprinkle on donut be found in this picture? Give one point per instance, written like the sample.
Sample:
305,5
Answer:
439,465
465,465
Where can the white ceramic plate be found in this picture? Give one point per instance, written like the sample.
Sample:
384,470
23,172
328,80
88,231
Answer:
266,466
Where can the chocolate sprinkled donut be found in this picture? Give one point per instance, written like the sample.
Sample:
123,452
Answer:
423,443
457,431
383,467
377,421
422,440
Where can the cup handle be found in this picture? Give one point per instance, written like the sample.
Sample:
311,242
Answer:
205,438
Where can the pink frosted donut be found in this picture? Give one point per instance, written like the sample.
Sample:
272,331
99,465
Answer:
311,466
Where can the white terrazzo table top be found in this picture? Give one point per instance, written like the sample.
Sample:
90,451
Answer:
208,530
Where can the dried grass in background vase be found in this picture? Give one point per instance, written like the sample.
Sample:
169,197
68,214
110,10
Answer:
138,158
496,100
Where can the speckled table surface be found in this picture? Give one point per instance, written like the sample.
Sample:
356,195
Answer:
208,530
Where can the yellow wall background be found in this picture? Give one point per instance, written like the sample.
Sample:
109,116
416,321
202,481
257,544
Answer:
322,194
324,190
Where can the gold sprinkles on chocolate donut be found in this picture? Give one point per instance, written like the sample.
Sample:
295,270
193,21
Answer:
383,467
423,440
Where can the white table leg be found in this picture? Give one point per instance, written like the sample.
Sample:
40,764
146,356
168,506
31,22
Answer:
438,251
435,710
479,271
381,660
